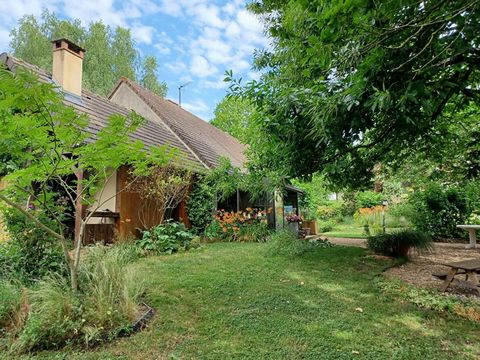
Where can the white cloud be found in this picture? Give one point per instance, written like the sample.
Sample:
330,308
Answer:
199,66
198,107
4,40
142,33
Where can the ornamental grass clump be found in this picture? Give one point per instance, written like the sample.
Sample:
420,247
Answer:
398,243
54,315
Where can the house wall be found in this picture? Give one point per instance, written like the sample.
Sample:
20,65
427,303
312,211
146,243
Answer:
107,195
128,205
126,97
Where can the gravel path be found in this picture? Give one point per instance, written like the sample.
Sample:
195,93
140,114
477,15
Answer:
418,271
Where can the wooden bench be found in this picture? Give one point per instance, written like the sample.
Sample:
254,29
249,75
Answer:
467,267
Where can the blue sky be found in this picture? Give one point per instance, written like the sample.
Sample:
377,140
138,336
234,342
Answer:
193,40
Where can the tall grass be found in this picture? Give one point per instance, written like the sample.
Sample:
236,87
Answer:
106,304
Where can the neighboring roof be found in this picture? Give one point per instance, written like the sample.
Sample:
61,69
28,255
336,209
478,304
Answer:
294,189
99,109
208,142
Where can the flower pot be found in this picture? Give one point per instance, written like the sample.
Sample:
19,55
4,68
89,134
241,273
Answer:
401,250
293,226
306,230
312,225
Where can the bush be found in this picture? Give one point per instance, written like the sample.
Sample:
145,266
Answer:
285,243
326,226
166,238
440,209
106,304
30,253
392,244
368,199
332,211
200,205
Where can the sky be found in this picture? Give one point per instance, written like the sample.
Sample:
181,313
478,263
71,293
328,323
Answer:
194,41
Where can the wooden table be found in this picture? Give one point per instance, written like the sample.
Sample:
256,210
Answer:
467,267
472,233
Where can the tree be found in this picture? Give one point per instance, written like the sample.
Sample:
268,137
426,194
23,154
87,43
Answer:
109,54
124,55
55,164
149,78
350,84
234,115
161,190
98,75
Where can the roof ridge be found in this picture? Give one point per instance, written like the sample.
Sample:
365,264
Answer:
204,128
133,85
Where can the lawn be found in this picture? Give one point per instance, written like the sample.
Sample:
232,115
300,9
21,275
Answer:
350,231
229,301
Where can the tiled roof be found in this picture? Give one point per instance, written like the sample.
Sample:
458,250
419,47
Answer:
207,141
99,109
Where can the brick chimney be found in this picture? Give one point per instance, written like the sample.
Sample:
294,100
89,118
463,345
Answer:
67,65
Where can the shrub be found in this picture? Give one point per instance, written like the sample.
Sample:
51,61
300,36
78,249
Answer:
332,211
440,209
368,199
166,238
285,243
200,205
392,244
30,253
326,226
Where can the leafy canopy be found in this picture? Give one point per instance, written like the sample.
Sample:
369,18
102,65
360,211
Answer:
349,84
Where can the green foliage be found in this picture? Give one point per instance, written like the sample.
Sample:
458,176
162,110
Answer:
106,304
166,238
316,194
149,78
349,84
10,300
439,209
391,243
368,199
326,226
330,211
54,316
426,299
109,54
234,116
285,243
201,203
42,136
30,253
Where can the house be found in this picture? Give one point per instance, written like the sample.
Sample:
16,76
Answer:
199,144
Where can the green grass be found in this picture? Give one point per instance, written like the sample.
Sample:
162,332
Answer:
229,301
350,231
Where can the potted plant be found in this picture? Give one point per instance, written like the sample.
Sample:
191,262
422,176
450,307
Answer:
309,222
399,243
293,221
